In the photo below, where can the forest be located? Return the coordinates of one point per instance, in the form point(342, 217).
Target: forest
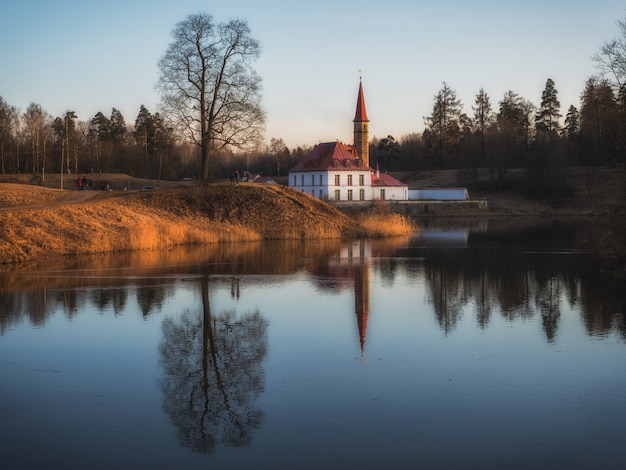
point(498, 135)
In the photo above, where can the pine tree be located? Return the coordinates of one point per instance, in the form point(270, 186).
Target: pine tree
point(483, 117)
point(572, 123)
point(443, 124)
point(547, 118)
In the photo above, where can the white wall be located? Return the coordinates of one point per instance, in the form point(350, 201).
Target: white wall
point(443, 194)
point(309, 182)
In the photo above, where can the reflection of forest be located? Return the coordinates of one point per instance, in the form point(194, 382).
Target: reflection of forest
point(517, 269)
point(533, 271)
point(212, 366)
point(488, 269)
point(38, 290)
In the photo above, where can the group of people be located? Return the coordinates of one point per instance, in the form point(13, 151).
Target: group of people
point(234, 178)
point(83, 183)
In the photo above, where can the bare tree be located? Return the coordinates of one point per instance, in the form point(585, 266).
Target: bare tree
point(35, 120)
point(208, 86)
point(611, 59)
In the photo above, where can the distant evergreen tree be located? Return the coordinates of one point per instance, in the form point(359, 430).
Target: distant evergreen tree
point(483, 119)
point(145, 135)
point(442, 126)
point(572, 123)
point(547, 119)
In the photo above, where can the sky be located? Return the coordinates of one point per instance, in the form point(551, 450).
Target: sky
point(92, 56)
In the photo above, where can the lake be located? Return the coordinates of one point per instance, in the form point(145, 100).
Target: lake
point(470, 344)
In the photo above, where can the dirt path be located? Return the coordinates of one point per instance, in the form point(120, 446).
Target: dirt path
point(66, 197)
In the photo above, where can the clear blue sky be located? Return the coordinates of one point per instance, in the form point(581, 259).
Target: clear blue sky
point(90, 56)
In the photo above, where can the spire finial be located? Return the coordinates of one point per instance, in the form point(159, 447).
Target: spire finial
point(360, 74)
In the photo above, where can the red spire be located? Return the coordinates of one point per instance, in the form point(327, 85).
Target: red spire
point(361, 113)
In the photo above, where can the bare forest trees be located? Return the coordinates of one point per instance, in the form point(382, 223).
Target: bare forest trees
point(209, 88)
point(611, 58)
point(35, 142)
point(8, 126)
point(35, 125)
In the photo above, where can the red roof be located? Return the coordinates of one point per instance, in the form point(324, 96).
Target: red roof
point(331, 156)
point(361, 113)
point(385, 179)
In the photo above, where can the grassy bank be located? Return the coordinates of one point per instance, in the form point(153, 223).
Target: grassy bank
point(36, 221)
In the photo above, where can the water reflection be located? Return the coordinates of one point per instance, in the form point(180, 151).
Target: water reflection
point(516, 269)
point(212, 366)
point(105, 280)
point(258, 346)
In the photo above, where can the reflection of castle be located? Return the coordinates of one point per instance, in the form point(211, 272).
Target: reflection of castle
point(349, 268)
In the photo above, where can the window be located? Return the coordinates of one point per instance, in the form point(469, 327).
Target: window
point(382, 194)
point(295, 180)
point(349, 180)
point(320, 180)
point(313, 192)
point(337, 193)
point(336, 180)
point(361, 180)
point(361, 194)
point(349, 195)
point(321, 194)
point(312, 180)
point(302, 180)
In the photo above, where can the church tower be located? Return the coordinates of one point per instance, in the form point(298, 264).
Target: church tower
point(361, 131)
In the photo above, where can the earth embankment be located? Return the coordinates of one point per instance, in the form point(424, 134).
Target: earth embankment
point(41, 221)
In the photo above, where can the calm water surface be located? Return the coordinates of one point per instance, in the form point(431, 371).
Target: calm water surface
point(468, 345)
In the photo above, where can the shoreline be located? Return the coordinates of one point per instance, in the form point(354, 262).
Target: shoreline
point(75, 223)
point(39, 220)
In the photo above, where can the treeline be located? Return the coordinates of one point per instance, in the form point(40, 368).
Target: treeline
point(34, 142)
point(515, 134)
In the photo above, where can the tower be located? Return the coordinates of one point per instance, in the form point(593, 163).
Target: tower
point(361, 131)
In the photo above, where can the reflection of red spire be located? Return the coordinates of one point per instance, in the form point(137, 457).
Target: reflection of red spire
point(362, 302)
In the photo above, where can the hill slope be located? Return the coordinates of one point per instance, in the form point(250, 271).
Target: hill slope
point(74, 222)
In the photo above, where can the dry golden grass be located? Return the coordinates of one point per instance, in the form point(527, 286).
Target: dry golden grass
point(83, 222)
point(386, 225)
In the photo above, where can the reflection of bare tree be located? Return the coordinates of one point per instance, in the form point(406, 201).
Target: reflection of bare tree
point(448, 297)
point(212, 375)
point(116, 297)
point(548, 301)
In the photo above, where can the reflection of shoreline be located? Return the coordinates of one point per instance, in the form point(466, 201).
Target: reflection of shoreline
point(38, 289)
point(495, 273)
point(442, 238)
point(514, 283)
point(280, 257)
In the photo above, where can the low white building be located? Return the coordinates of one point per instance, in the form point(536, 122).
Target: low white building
point(439, 194)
